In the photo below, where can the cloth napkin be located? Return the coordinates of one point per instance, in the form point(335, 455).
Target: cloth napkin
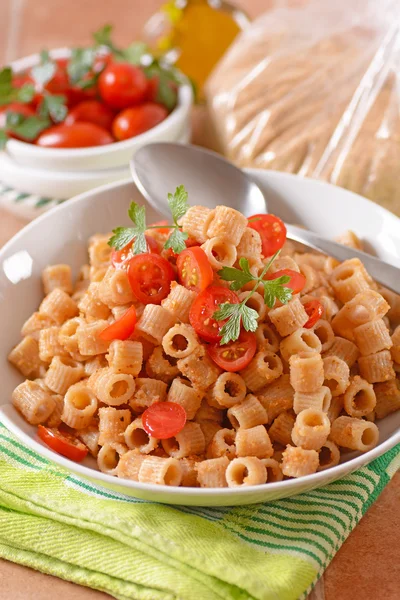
point(55, 522)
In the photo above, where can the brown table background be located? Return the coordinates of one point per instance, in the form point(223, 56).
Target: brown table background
point(367, 567)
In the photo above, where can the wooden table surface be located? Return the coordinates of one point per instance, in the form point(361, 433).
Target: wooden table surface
point(367, 567)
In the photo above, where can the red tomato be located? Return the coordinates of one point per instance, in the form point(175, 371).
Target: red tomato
point(162, 227)
point(272, 231)
point(138, 119)
point(63, 443)
point(19, 80)
point(120, 258)
point(122, 85)
point(203, 308)
point(172, 256)
point(15, 107)
point(164, 420)
point(152, 89)
point(297, 280)
point(314, 309)
point(91, 111)
point(122, 328)
point(150, 277)
point(234, 356)
point(78, 135)
point(194, 270)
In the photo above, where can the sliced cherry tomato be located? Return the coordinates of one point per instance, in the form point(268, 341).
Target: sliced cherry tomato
point(272, 231)
point(78, 135)
point(122, 328)
point(15, 107)
point(203, 308)
point(63, 443)
point(194, 270)
point(164, 420)
point(297, 280)
point(314, 309)
point(172, 256)
point(150, 277)
point(91, 111)
point(234, 356)
point(122, 85)
point(120, 258)
point(138, 119)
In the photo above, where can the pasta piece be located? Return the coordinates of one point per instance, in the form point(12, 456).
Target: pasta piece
point(109, 456)
point(281, 429)
point(80, 405)
point(343, 349)
point(267, 338)
point(364, 307)
point(209, 429)
point(114, 288)
point(57, 276)
point(49, 345)
point(256, 302)
point(227, 224)
point(220, 253)
point(196, 222)
point(36, 322)
point(311, 429)
point(316, 261)
point(163, 471)
point(248, 413)
point(335, 408)
point(160, 366)
point(89, 342)
point(355, 434)
point(182, 392)
point(190, 440)
point(180, 341)
point(189, 473)
point(395, 350)
point(313, 278)
point(329, 456)
point(178, 302)
point(349, 279)
point(249, 245)
point(90, 437)
point(253, 442)
point(350, 239)
point(306, 372)
point(97, 274)
point(33, 402)
point(67, 334)
point(393, 300)
point(372, 337)
point(129, 465)
point(91, 306)
point(25, 356)
point(154, 323)
point(289, 317)
point(100, 252)
point(273, 468)
point(62, 373)
point(148, 391)
point(320, 400)
point(387, 398)
point(277, 397)
point(302, 340)
point(125, 356)
point(136, 438)
point(112, 425)
point(54, 419)
point(336, 375)
point(211, 472)
point(263, 369)
point(59, 306)
point(283, 262)
point(377, 367)
point(245, 471)
point(208, 413)
point(324, 332)
point(112, 388)
point(94, 364)
point(228, 390)
point(298, 462)
point(359, 399)
point(199, 368)
point(222, 444)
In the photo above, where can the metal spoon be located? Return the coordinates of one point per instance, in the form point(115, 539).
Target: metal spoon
point(210, 180)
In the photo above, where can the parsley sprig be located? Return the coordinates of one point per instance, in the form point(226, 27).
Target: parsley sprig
point(238, 314)
point(178, 204)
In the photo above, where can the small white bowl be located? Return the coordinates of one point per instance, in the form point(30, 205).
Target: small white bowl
point(61, 236)
point(98, 157)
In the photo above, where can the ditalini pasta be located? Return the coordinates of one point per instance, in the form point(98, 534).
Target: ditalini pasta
point(197, 366)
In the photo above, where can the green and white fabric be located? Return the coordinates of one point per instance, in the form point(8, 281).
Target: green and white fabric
point(53, 521)
point(29, 205)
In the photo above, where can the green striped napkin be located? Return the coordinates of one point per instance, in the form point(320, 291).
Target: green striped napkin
point(53, 521)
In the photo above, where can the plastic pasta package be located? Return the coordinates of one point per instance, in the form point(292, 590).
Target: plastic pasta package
point(313, 88)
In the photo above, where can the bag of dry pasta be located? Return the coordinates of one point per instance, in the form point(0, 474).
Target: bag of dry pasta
point(313, 87)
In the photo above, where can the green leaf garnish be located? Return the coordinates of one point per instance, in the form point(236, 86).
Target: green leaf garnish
point(8, 93)
point(27, 128)
point(45, 70)
point(176, 241)
point(54, 107)
point(178, 203)
point(236, 314)
point(80, 64)
point(124, 235)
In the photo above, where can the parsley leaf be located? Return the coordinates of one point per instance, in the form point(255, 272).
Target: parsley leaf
point(8, 93)
point(6, 76)
point(43, 72)
point(25, 93)
point(80, 64)
point(178, 203)
point(235, 313)
point(249, 318)
point(135, 52)
point(238, 277)
point(124, 235)
point(54, 107)
point(273, 288)
point(27, 128)
point(176, 241)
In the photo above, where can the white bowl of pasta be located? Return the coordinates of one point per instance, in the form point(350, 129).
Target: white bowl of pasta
point(231, 450)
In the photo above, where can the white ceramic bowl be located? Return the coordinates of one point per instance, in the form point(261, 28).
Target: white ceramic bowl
point(100, 157)
point(324, 208)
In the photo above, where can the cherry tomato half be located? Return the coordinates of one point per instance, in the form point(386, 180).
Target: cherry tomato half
point(172, 256)
point(272, 232)
point(91, 111)
point(194, 270)
point(122, 85)
point(150, 277)
point(234, 356)
point(120, 258)
point(63, 443)
point(297, 280)
point(164, 420)
point(138, 119)
point(15, 107)
point(203, 308)
point(314, 309)
point(122, 328)
point(78, 135)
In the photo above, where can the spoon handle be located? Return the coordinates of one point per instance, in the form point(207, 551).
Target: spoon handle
point(383, 272)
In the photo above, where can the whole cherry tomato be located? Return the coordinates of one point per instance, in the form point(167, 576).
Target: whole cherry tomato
point(272, 232)
point(78, 135)
point(234, 356)
point(194, 270)
point(150, 277)
point(138, 119)
point(203, 308)
point(91, 111)
point(122, 85)
point(15, 107)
